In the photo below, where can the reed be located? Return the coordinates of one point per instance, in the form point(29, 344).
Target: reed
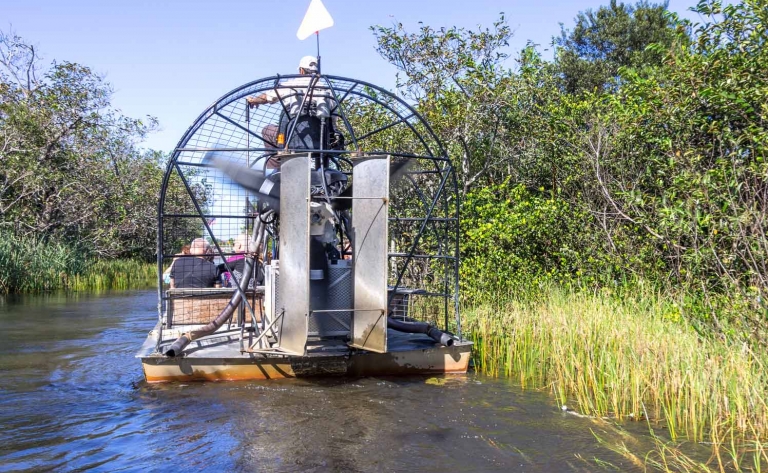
point(29, 265)
point(629, 358)
point(114, 274)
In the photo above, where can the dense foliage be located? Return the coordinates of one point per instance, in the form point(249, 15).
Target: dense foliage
point(72, 180)
point(616, 35)
point(637, 153)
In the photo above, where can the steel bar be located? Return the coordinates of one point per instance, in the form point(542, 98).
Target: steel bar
point(349, 91)
point(171, 215)
point(266, 330)
point(343, 114)
point(385, 127)
point(421, 219)
point(279, 99)
point(307, 150)
point(343, 310)
point(419, 234)
point(248, 131)
point(420, 256)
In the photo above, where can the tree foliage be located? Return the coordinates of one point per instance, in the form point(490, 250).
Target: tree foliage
point(648, 162)
point(616, 35)
point(70, 168)
point(682, 153)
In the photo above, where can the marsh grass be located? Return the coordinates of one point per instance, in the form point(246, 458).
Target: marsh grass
point(114, 274)
point(631, 358)
point(29, 265)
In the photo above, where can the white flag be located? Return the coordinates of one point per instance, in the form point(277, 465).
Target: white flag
point(316, 19)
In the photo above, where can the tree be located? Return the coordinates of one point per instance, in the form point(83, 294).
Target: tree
point(483, 112)
point(589, 56)
point(679, 154)
point(70, 169)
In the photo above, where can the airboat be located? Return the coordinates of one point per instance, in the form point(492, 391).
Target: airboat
point(349, 204)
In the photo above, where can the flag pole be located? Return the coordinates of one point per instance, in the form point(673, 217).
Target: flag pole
point(317, 34)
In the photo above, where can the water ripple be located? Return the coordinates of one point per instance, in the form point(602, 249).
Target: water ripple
point(73, 399)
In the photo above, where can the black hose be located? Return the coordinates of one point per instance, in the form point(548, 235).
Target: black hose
point(421, 327)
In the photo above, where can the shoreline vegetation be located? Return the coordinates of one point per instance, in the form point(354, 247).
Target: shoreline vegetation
point(32, 266)
point(629, 357)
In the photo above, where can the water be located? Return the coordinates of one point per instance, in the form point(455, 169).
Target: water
point(72, 397)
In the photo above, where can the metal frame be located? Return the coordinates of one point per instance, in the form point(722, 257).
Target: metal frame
point(365, 113)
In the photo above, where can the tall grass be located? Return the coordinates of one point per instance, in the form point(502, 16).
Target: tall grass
point(629, 359)
point(102, 275)
point(29, 265)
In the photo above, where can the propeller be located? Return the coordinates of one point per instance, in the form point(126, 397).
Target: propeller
point(396, 172)
point(267, 187)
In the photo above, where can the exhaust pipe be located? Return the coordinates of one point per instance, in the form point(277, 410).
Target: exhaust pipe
point(178, 346)
point(421, 327)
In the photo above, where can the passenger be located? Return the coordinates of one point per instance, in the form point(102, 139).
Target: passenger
point(167, 272)
point(243, 245)
point(195, 272)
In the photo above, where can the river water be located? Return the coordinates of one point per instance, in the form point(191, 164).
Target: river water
point(72, 397)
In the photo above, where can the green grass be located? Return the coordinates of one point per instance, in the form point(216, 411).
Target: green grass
point(632, 358)
point(115, 274)
point(29, 265)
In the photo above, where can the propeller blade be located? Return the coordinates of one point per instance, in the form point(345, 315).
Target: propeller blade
point(249, 179)
point(267, 191)
point(396, 172)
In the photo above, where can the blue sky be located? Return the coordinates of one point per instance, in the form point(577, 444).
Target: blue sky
point(171, 59)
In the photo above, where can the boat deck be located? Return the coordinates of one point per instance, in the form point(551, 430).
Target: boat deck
point(219, 357)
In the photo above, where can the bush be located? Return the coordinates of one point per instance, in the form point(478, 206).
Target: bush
point(514, 239)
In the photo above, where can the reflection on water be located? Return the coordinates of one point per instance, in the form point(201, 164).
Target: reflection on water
point(73, 397)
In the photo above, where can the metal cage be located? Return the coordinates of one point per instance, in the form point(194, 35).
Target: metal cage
point(198, 200)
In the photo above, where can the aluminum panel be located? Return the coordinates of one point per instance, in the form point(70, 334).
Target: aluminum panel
point(293, 289)
point(369, 225)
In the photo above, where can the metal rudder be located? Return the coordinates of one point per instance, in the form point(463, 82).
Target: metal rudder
point(294, 253)
point(370, 212)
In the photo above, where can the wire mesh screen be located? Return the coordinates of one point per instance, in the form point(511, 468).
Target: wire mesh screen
point(201, 203)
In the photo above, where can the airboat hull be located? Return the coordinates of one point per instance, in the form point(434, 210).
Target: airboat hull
point(221, 360)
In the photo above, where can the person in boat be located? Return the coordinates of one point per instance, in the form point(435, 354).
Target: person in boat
point(167, 273)
point(242, 246)
point(289, 90)
point(195, 272)
point(291, 93)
